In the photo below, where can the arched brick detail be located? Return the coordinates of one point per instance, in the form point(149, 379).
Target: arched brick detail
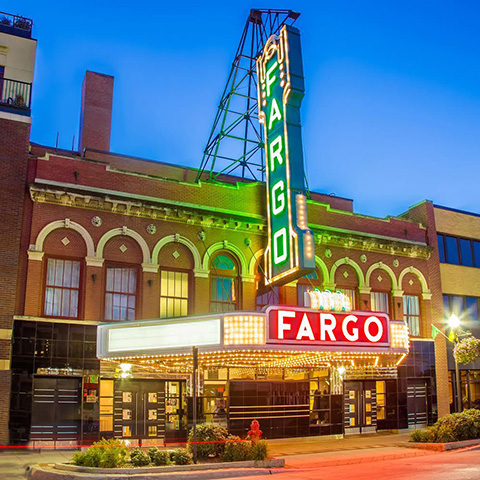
point(178, 239)
point(386, 269)
point(353, 264)
point(67, 224)
point(124, 231)
point(65, 242)
point(123, 249)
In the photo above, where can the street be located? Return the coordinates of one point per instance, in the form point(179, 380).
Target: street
point(455, 465)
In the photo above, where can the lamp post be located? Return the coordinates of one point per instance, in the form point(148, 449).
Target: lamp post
point(454, 324)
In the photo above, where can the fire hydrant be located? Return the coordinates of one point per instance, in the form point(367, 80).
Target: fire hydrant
point(255, 433)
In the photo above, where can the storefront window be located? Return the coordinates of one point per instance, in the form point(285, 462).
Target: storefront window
point(379, 302)
point(411, 314)
point(224, 284)
point(173, 294)
point(106, 405)
point(62, 288)
point(121, 292)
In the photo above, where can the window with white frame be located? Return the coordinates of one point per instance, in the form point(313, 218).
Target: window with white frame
point(379, 302)
point(120, 293)
point(62, 288)
point(411, 314)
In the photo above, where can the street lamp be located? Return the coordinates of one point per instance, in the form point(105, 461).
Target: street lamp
point(454, 324)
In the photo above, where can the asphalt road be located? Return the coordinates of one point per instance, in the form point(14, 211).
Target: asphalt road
point(456, 465)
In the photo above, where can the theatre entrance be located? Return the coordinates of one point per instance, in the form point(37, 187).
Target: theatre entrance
point(360, 406)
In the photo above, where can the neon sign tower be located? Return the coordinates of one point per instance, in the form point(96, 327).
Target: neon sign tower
point(290, 251)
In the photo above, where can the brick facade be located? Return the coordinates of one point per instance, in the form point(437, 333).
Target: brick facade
point(14, 142)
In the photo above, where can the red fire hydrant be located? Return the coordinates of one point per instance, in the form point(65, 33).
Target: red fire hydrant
point(255, 433)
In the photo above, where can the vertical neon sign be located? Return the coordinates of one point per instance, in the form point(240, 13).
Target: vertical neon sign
point(290, 252)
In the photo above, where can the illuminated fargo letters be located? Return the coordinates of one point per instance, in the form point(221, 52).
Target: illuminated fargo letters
point(290, 251)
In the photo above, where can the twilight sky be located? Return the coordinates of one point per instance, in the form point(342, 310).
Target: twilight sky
point(392, 109)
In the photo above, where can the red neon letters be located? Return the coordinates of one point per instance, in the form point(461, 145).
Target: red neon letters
point(307, 327)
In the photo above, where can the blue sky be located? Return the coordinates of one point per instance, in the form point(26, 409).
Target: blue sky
point(392, 109)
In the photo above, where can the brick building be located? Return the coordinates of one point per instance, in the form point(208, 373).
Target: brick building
point(95, 236)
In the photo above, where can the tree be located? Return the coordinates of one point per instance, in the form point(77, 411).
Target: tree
point(467, 350)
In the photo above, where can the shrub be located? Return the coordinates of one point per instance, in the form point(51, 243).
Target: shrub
point(151, 453)
point(139, 458)
point(258, 450)
point(208, 432)
point(181, 456)
point(421, 436)
point(104, 454)
point(161, 458)
point(236, 450)
point(451, 428)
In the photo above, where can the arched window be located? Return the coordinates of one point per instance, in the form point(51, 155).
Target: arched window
point(308, 282)
point(224, 284)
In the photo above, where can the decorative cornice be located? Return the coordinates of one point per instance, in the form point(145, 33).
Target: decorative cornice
point(200, 273)
point(94, 261)
point(397, 293)
point(364, 290)
point(427, 296)
point(150, 267)
point(144, 209)
point(34, 255)
point(248, 278)
point(372, 243)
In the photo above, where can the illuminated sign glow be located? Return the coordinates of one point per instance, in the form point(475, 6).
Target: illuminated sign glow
point(290, 251)
point(307, 327)
point(327, 300)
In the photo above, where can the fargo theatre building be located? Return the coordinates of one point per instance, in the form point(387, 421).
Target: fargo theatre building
point(308, 317)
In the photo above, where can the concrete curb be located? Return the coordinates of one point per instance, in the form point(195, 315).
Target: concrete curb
point(443, 447)
point(207, 471)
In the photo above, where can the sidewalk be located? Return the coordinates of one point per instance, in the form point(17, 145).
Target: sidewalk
point(299, 446)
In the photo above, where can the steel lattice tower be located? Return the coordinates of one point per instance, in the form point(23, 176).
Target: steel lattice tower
point(235, 145)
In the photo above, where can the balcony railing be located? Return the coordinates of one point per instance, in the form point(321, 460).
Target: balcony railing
point(15, 95)
point(15, 25)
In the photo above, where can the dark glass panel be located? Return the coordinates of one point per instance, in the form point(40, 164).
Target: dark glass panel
point(452, 250)
point(476, 253)
point(76, 333)
point(466, 252)
point(441, 248)
point(472, 310)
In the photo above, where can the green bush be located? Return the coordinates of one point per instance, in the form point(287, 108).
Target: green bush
point(139, 458)
point(181, 456)
point(103, 454)
point(161, 458)
point(421, 436)
point(208, 432)
point(451, 428)
point(236, 449)
point(258, 450)
point(151, 453)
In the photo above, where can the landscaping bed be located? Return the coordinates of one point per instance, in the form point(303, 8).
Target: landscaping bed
point(214, 448)
point(457, 430)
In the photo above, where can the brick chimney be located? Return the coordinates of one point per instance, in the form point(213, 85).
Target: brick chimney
point(96, 111)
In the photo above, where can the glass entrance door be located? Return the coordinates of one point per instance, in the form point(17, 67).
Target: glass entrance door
point(141, 409)
point(360, 406)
